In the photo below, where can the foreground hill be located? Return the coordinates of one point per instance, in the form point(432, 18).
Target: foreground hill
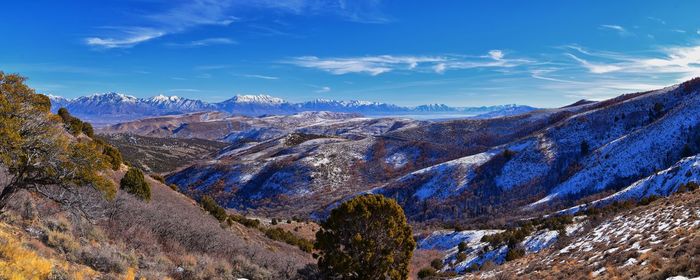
point(169, 236)
point(655, 241)
point(72, 210)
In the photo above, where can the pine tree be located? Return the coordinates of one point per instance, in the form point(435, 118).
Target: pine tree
point(36, 153)
point(365, 238)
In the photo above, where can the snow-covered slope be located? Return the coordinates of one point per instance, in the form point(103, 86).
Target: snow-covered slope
point(577, 151)
point(662, 183)
point(655, 241)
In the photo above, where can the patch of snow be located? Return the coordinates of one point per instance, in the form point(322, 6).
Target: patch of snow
point(539, 240)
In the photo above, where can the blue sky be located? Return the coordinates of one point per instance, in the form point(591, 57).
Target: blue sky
point(461, 53)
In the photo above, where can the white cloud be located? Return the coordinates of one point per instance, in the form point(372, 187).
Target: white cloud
point(440, 68)
point(261, 77)
point(211, 67)
point(375, 65)
point(178, 19)
point(205, 42)
point(186, 15)
point(595, 68)
point(323, 90)
point(617, 28)
point(496, 54)
point(361, 11)
point(131, 36)
point(657, 20)
point(684, 62)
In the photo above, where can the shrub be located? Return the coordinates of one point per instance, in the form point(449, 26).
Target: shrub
point(426, 272)
point(158, 177)
point(437, 264)
point(213, 208)
point(557, 222)
point(688, 187)
point(509, 237)
point(103, 259)
point(461, 256)
point(687, 151)
point(647, 200)
point(113, 155)
point(584, 148)
point(289, 238)
point(251, 223)
point(508, 154)
point(173, 187)
point(134, 183)
point(88, 130)
point(462, 246)
point(514, 254)
point(74, 125)
point(61, 241)
point(367, 237)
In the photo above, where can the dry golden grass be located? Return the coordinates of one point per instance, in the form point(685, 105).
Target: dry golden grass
point(17, 262)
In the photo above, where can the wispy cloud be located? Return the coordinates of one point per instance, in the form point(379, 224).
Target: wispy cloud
point(375, 65)
point(617, 28)
point(130, 36)
point(187, 15)
point(361, 11)
point(175, 20)
point(211, 67)
point(595, 68)
point(661, 21)
point(684, 62)
point(323, 90)
point(260, 77)
point(204, 43)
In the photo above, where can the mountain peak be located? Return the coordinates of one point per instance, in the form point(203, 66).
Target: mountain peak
point(259, 99)
point(164, 98)
point(110, 97)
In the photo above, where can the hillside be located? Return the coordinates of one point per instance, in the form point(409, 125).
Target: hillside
point(162, 155)
point(72, 210)
point(170, 236)
point(654, 241)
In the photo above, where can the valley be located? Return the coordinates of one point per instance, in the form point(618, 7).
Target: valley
point(485, 175)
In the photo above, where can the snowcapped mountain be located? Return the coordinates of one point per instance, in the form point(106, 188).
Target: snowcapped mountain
point(115, 107)
point(257, 99)
point(178, 104)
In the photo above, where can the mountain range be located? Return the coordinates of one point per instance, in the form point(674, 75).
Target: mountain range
point(108, 108)
point(495, 197)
